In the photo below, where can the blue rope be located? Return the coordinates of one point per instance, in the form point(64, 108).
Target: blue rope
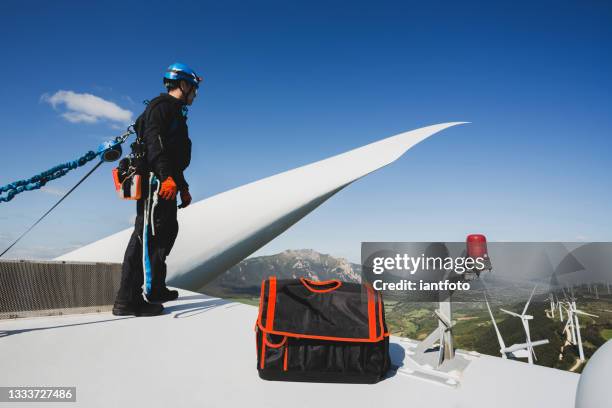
point(39, 180)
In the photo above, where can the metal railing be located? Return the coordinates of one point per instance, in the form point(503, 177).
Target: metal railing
point(45, 288)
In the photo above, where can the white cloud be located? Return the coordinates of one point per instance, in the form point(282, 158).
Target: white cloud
point(76, 117)
point(87, 108)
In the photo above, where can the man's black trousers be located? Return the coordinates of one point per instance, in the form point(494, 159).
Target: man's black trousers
point(164, 224)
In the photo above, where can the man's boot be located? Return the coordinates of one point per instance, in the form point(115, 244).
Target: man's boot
point(162, 295)
point(137, 308)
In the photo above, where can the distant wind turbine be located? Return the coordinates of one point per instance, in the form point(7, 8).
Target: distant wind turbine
point(519, 350)
point(525, 320)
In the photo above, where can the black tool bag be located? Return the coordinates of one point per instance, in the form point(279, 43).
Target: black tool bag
point(329, 331)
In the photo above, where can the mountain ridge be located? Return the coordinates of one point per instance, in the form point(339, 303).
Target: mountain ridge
point(246, 277)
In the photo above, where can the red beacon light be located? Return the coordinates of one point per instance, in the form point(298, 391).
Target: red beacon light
point(476, 247)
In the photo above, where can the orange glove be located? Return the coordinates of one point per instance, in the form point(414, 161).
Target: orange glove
point(185, 198)
point(168, 189)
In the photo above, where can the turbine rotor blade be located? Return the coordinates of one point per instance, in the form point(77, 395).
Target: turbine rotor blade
point(539, 342)
point(500, 340)
point(529, 300)
point(443, 319)
point(511, 313)
point(524, 346)
point(580, 312)
point(265, 209)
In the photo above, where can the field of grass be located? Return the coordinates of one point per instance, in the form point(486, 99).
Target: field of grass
point(606, 334)
point(473, 329)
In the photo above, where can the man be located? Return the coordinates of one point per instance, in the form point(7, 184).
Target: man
point(163, 130)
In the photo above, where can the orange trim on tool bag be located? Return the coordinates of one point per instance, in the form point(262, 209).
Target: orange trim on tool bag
point(270, 317)
point(312, 336)
point(371, 312)
point(307, 282)
point(271, 303)
point(261, 302)
point(285, 358)
point(380, 314)
point(262, 360)
point(269, 343)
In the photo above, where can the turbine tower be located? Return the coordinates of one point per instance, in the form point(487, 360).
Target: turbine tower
point(569, 324)
point(574, 325)
point(552, 305)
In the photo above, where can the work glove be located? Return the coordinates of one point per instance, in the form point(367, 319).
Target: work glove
point(168, 189)
point(185, 198)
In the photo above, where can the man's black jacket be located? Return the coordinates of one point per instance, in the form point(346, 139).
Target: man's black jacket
point(168, 147)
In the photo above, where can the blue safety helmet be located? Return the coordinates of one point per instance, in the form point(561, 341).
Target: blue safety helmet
point(178, 72)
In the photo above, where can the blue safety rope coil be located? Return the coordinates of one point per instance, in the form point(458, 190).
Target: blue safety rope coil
point(108, 151)
point(39, 180)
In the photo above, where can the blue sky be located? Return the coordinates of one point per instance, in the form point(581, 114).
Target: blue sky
point(289, 83)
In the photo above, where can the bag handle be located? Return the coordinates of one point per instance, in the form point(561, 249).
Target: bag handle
point(321, 286)
point(274, 345)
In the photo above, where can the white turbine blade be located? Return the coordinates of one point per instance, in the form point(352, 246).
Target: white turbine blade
point(524, 346)
point(500, 340)
point(535, 344)
point(515, 347)
point(566, 325)
point(443, 319)
point(510, 313)
point(526, 327)
point(220, 231)
point(584, 313)
point(529, 300)
point(522, 353)
point(539, 342)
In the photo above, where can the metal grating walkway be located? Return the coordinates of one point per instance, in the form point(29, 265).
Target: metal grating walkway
point(45, 288)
